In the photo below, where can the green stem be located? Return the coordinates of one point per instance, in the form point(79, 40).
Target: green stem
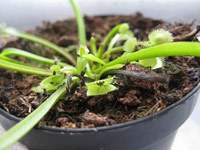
point(110, 35)
point(23, 127)
point(93, 46)
point(100, 51)
point(30, 56)
point(163, 50)
point(70, 48)
point(144, 43)
point(38, 40)
point(121, 48)
point(114, 51)
point(80, 23)
point(117, 50)
point(24, 69)
point(12, 60)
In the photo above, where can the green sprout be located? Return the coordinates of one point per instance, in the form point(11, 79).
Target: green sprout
point(119, 47)
point(80, 23)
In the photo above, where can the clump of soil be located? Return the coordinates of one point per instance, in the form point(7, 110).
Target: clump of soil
point(135, 98)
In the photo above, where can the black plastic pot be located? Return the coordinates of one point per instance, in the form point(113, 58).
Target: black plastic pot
point(155, 132)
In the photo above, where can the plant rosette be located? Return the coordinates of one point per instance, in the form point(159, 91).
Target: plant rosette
point(121, 69)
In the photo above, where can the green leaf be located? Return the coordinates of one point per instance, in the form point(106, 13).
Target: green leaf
point(154, 63)
point(125, 36)
point(113, 41)
point(162, 50)
point(83, 50)
point(23, 127)
point(50, 84)
point(11, 65)
point(55, 68)
point(93, 58)
point(110, 36)
point(69, 70)
point(28, 55)
point(93, 46)
point(124, 28)
point(12, 60)
point(89, 72)
point(159, 62)
point(149, 62)
point(80, 23)
point(114, 67)
point(100, 87)
point(81, 64)
point(130, 44)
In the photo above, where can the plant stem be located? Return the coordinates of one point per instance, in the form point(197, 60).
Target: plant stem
point(70, 48)
point(93, 58)
point(12, 60)
point(163, 50)
point(38, 40)
point(93, 46)
point(24, 69)
point(23, 127)
point(80, 23)
point(144, 43)
point(100, 51)
point(30, 56)
point(115, 50)
point(121, 48)
point(109, 36)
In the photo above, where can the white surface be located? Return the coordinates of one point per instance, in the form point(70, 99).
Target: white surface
point(28, 13)
point(188, 137)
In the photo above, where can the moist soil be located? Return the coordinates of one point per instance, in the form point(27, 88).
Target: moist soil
point(135, 98)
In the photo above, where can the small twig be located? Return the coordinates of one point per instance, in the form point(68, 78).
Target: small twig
point(189, 35)
point(153, 109)
point(69, 80)
point(142, 76)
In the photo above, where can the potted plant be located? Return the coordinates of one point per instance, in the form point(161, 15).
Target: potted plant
point(103, 73)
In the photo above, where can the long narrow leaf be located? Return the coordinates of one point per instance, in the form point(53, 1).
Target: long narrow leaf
point(23, 127)
point(28, 55)
point(163, 50)
point(110, 35)
point(24, 69)
point(12, 60)
point(36, 39)
point(80, 23)
point(94, 58)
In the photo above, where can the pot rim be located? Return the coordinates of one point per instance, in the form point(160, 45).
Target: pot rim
point(107, 128)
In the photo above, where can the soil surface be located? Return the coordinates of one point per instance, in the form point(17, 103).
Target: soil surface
point(134, 99)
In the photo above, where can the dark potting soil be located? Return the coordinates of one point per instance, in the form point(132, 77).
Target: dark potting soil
point(135, 98)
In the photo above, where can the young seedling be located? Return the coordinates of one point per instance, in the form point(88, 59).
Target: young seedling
point(95, 66)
